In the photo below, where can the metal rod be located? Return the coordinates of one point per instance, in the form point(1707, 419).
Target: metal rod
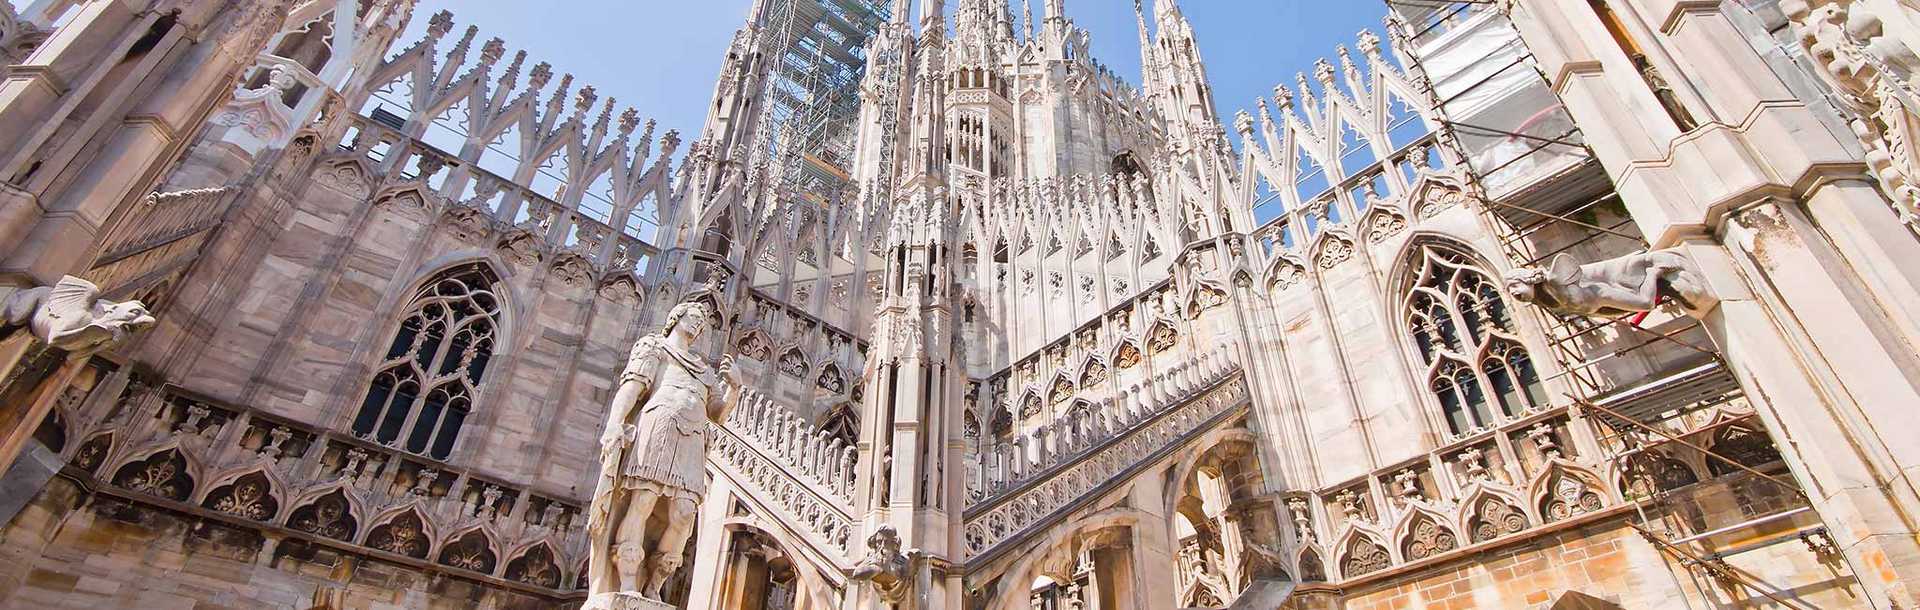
point(1711, 565)
point(1563, 219)
point(1796, 534)
point(1663, 433)
point(1748, 523)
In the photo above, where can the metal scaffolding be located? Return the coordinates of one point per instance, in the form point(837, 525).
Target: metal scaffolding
point(1538, 179)
point(811, 101)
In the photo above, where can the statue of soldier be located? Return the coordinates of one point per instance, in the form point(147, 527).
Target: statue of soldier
point(652, 455)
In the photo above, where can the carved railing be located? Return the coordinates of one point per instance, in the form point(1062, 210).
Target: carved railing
point(801, 449)
point(1203, 400)
point(792, 467)
point(1007, 466)
point(161, 234)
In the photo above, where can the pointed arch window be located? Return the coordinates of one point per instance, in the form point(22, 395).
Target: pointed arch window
point(433, 369)
point(1461, 327)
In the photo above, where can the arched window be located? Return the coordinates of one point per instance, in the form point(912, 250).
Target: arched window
point(1461, 328)
point(432, 371)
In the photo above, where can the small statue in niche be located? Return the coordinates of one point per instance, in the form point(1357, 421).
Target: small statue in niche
point(652, 456)
point(1619, 286)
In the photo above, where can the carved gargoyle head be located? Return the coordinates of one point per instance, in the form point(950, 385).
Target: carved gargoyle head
point(1543, 286)
point(72, 317)
point(1524, 283)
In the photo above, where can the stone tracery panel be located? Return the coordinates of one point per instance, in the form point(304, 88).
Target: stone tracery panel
point(162, 474)
point(248, 497)
point(329, 515)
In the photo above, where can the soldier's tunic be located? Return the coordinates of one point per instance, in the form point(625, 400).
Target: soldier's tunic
point(663, 446)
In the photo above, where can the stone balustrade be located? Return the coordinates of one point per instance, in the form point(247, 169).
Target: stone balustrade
point(791, 466)
point(800, 448)
point(1006, 465)
point(1051, 473)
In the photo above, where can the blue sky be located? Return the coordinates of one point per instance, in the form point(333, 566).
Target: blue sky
point(661, 56)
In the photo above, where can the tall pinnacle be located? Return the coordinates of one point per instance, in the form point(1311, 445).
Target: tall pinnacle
point(1026, 20)
point(1146, 48)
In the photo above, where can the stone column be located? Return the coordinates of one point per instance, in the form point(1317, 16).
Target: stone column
point(1816, 306)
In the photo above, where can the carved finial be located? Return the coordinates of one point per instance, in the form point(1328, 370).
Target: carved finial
point(423, 481)
point(1350, 505)
point(512, 75)
point(466, 42)
point(1243, 122)
point(559, 92)
point(1408, 482)
point(1284, 96)
point(491, 52)
point(1323, 71)
point(584, 100)
point(542, 72)
point(1474, 462)
point(439, 24)
point(628, 121)
point(1369, 44)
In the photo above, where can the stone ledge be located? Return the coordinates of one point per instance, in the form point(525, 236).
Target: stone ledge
point(624, 600)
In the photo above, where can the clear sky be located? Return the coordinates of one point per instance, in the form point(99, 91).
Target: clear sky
point(661, 56)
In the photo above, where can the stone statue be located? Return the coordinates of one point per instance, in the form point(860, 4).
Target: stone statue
point(1628, 284)
point(885, 567)
point(653, 456)
point(70, 315)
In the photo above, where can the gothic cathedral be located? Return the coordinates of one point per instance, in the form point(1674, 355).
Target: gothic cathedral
point(1535, 304)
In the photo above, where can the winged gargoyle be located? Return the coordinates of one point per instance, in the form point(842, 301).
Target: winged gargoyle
point(70, 315)
point(1619, 286)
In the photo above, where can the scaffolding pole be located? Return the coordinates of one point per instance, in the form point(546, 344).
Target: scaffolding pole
point(1518, 226)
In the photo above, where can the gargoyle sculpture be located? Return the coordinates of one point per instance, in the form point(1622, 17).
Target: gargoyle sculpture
point(885, 567)
point(1628, 284)
point(70, 315)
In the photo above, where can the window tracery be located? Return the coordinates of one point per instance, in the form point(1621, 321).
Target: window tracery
point(433, 369)
point(1466, 337)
